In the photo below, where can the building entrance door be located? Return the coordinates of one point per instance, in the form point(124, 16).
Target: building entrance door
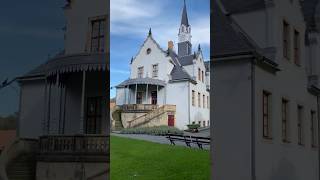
point(170, 120)
point(153, 97)
point(93, 115)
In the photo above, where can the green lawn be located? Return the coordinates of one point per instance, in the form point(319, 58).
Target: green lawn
point(142, 160)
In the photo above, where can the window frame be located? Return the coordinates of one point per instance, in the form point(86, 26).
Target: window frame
point(285, 120)
point(99, 36)
point(199, 100)
point(300, 126)
point(286, 39)
point(140, 73)
point(155, 71)
point(266, 115)
point(297, 47)
point(193, 98)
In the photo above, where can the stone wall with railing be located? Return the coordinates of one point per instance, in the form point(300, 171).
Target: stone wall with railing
point(74, 148)
point(156, 117)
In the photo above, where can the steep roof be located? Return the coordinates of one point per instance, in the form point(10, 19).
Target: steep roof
point(238, 6)
point(184, 17)
point(178, 72)
point(227, 39)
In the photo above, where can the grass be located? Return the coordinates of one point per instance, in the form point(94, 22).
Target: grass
point(142, 160)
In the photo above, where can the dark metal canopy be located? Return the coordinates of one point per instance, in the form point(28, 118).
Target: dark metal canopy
point(149, 81)
point(69, 64)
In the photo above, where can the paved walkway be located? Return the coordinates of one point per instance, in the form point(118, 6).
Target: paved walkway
point(156, 139)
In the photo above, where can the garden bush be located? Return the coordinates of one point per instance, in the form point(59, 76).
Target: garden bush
point(157, 130)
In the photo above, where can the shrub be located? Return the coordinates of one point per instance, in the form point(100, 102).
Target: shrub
point(157, 130)
point(193, 126)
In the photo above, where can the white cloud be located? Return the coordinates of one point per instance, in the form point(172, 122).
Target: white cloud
point(135, 17)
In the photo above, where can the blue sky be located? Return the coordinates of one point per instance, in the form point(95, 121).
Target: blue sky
point(130, 23)
point(30, 31)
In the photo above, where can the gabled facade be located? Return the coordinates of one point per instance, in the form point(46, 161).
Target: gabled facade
point(264, 90)
point(164, 77)
point(63, 101)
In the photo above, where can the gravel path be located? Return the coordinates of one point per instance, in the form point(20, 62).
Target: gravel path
point(156, 139)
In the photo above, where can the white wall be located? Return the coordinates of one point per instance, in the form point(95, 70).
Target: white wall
point(31, 101)
point(78, 25)
point(230, 119)
point(177, 94)
point(147, 60)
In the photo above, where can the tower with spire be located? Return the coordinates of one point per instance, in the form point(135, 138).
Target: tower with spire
point(184, 44)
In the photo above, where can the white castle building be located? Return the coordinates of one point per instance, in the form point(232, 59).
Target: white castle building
point(168, 77)
point(266, 89)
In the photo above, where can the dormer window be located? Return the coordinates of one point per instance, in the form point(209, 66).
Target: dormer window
point(98, 35)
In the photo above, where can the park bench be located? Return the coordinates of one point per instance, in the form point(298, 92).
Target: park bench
point(200, 141)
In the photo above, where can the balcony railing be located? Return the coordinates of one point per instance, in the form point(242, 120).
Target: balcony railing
point(54, 147)
point(149, 116)
point(139, 107)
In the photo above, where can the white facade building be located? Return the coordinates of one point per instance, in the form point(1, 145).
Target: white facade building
point(160, 77)
point(266, 95)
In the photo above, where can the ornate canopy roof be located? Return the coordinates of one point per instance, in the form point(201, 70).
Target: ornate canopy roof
point(150, 81)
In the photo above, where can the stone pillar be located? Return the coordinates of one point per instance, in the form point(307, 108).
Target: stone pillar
point(147, 93)
point(135, 97)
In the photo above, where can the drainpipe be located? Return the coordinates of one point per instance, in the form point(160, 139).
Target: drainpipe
point(253, 93)
point(318, 112)
point(189, 102)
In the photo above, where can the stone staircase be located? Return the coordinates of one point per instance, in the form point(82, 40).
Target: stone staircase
point(22, 168)
point(156, 117)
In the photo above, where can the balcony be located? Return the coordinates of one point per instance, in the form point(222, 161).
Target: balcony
point(84, 148)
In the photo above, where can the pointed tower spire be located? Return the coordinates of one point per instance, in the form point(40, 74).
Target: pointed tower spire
point(199, 48)
point(184, 18)
point(184, 45)
point(150, 33)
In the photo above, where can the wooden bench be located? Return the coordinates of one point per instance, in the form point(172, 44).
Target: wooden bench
point(200, 141)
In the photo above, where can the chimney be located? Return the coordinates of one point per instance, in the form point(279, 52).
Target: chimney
point(170, 45)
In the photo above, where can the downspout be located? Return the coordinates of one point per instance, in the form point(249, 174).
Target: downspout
point(253, 93)
point(318, 112)
point(189, 102)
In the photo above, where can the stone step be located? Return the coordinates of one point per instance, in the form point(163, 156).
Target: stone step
point(22, 168)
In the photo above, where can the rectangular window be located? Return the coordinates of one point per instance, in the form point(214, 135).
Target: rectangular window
point(266, 115)
point(297, 48)
point(204, 123)
point(155, 70)
point(140, 72)
point(203, 101)
point(284, 112)
point(98, 35)
point(300, 124)
point(199, 74)
point(208, 102)
point(199, 100)
point(193, 98)
point(202, 76)
point(313, 129)
point(286, 40)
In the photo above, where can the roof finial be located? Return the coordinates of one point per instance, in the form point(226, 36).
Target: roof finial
point(150, 33)
point(184, 18)
point(199, 48)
